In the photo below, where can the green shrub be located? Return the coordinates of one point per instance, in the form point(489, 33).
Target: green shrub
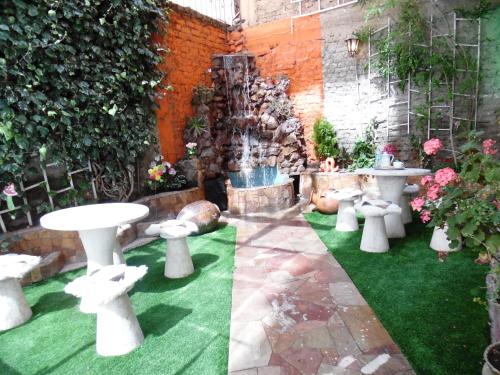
point(325, 139)
point(79, 82)
point(363, 152)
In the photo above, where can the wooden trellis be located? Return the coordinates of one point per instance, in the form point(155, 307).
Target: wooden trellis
point(51, 193)
point(411, 89)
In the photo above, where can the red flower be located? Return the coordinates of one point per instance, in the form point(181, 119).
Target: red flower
point(488, 147)
point(426, 180)
point(432, 146)
point(417, 204)
point(434, 192)
point(425, 216)
point(444, 176)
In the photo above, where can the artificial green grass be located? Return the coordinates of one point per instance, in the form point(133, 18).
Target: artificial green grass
point(185, 321)
point(425, 305)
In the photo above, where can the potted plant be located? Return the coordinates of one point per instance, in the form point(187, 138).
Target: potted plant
point(163, 177)
point(492, 359)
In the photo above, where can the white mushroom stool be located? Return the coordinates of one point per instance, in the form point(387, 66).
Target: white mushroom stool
point(178, 262)
point(14, 309)
point(118, 331)
point(404, 202)
point(440, 241)
point(374, 238)
point(346, 217)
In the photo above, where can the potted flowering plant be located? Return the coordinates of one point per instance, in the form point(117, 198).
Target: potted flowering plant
point(9, 192)
point(191, 150)
point(163, 177)
point(464, 204)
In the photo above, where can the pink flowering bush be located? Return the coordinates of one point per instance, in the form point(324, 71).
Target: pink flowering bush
point(162, 176)
point(432, 146)
point(390, 149)
point(467, 201)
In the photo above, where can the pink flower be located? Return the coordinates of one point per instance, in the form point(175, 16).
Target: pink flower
point(432, 146)
point(497, 204)
point(426, 180)
point(444, 176)
point(172, 172)
point(434, 192)
point(390, 149)
point(425, 216)
point(417, 204)
point(488, 147)
point(10, 190)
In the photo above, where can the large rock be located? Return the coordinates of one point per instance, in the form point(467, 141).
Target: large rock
point(203, 213)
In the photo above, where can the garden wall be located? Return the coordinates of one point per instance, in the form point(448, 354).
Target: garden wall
point(294, 50)
point(192, 39)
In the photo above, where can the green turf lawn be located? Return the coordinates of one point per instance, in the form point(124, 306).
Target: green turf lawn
point(185, 322)
point(426, 305)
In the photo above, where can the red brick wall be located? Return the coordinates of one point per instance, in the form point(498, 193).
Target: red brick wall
point(191, 39)
point(282, 47)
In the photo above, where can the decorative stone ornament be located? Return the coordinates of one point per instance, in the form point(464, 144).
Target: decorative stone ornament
point(404, 202)
point(14, 309)
point(203, 213)
point(440, 241)
point(346, 218)
point(374, 238)
point(105, 291)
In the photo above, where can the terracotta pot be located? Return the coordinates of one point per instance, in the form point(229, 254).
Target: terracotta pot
point(325, 204)
point(488, 368)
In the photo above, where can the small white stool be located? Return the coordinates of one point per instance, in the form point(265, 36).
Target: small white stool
point(374, 238)
point(14, 309)
point(118, 331)
point(440, 241)
point(346, 217)
point(404, 203)
point(178, 262)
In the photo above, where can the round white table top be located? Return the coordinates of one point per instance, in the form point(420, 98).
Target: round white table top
point(94, 216)
point(394, 172)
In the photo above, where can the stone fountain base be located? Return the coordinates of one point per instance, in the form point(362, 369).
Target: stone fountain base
point(262, 199)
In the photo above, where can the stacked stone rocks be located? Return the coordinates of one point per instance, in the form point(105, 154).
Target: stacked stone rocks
point(249, 113)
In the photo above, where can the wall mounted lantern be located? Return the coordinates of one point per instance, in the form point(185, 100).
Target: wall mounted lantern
point(352, 46)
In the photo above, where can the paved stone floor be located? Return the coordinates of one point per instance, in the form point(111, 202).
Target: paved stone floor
point(296, 312)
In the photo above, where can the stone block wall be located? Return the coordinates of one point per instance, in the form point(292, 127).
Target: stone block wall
point(191, 39)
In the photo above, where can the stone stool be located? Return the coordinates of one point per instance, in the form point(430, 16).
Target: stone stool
point(374, 238)
point(178, 262)
point(440, 241)
point(346, 217)
point(118, 331)
point(14, 309)
point(404, 203)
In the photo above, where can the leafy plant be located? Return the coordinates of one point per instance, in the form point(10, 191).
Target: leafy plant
point(162, 176)
point(197, 126)
point(363, 152)
point(325, 140)
point(79, 81)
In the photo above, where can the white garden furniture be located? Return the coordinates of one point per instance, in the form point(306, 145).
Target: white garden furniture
point(346, 217)
point(14, 309)
point(97, 226)
point(374, 238)
point(440, 241)
point(105, 292)
point(408, 192)
point(178, 262)
point(391, 183)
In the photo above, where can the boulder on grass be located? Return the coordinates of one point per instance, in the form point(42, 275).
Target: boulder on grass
point(204, 214)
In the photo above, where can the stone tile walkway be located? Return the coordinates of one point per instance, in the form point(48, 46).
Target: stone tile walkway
point(296, 312)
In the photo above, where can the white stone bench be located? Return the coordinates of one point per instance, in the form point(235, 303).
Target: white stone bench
point(408, 192)
point(178, 262)
point(374, 238)
point(346, 217)
point(105, 292)
point(14, 309)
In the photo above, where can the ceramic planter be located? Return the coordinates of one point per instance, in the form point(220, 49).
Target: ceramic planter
point(489, 368)
point(440, 241)
point(325, 204)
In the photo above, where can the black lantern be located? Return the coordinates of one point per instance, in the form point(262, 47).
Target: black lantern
point(352, 46)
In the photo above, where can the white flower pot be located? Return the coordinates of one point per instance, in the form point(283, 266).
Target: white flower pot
point(440, 241)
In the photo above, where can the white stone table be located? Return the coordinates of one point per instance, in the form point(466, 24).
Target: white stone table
point(391, 183)
point(97, 225)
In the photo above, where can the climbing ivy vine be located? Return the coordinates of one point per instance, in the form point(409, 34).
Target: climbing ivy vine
point(79, 82)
